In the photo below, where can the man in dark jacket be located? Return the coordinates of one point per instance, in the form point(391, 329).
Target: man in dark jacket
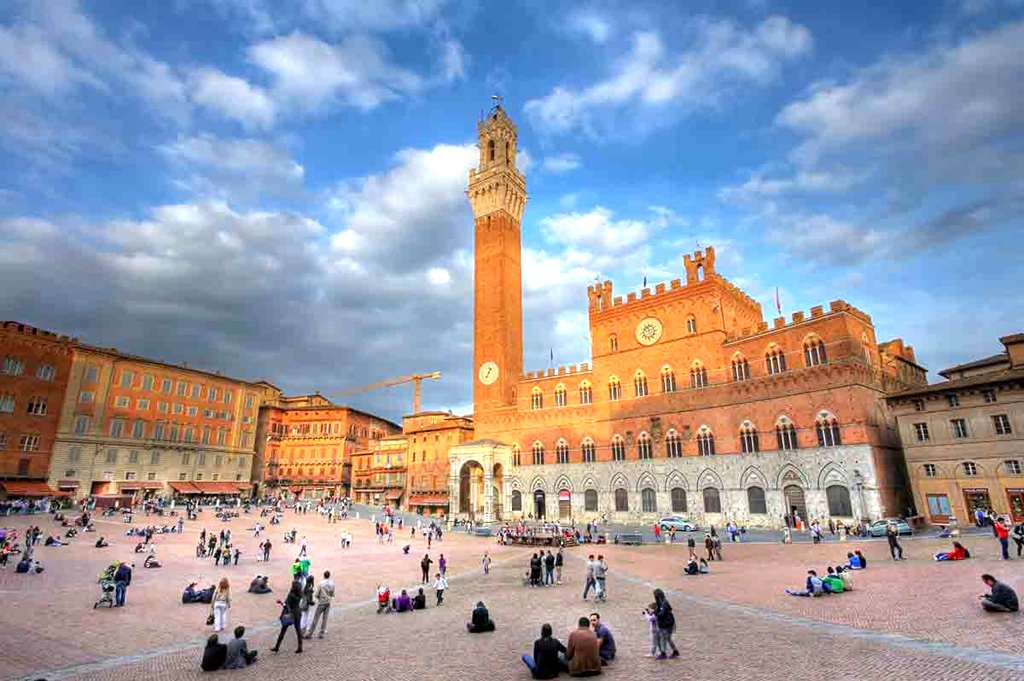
point(238, 654)
point(1001, 599)
point(549, 569)
point(481, 620)
point(548, 656)
point(425, 567)
point(122, 578)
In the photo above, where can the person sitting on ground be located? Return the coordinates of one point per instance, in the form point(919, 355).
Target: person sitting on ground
point(53, 541)
point(582, 652)
point(259, 585)
point(71, 533)
point(958, 553)
point(140, 547)
point(1001, 597)
point(832, 583)
point(151, 562)
point(844, 574)
point(102, 543)
point(548, 656)
point(863, 560)
point(814, 586)
point(383, 599)
point(691, 567)
point(703, 568)
point(403, 603)
point(606, 641)
point(214, 654)
point(238, 654)
point(481, 620)
point(854, 562)
point(419, 601)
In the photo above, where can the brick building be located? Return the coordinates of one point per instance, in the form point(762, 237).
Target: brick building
point(33, 378)
point(429, 436)
point(306, 442)
point(964, 437)
point(381, 475)
point(131, 425)
point(694, 403)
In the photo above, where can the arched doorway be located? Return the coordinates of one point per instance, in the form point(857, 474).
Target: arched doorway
point(795, 504)
point(471, 490)
point(539, 504)
point(564, 504)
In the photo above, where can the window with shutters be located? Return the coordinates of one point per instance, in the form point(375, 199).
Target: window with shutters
point(561, 396)
point(740, 369)
point(644, 447)
point(668, 380)
point(712, 500)
point(774, 360)
point(648, 500)
point(678, 500)
point(562, 452)
point(814, 352)
point(705, 442)
point(590, 500)
point(839, 505)
point(698, 376)
point(621, 500)
point(537, 399)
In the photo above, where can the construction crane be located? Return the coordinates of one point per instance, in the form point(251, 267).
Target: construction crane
point(415, 379)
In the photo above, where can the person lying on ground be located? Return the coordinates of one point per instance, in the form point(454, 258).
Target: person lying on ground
point(691, 567)
point(151, 562)
point(958, 553)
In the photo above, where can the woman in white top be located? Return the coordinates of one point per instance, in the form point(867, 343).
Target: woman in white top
point(221, 603)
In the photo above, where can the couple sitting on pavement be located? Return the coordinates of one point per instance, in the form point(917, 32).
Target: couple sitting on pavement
point(233, 655)
point(589, 649)
point(695, 568)
point(856, 561)
point(958, 553)
point(259, 585)
point(836, 581)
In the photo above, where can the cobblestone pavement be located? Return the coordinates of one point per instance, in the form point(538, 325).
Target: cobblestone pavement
point(915, 619)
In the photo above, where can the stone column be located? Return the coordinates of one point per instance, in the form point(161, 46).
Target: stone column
point(454, 505)
point(488, 497)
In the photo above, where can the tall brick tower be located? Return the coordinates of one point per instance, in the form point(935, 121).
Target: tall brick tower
point(497, 191)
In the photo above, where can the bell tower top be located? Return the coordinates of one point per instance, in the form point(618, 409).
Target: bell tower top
point(496, 183)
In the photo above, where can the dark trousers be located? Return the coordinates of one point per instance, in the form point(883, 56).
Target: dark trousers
point(895, 548)
point(586, 588)
point(1004, 543)
point(426, 575)
point(120, 592)
point(296, 618)
point(440, 596)
point(549, 576)
point(1020, 545)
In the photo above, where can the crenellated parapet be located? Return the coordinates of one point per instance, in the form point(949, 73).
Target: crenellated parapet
point(562, 370)
point(798, 318)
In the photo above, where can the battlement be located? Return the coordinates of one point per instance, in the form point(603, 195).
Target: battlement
point(25, 329)
point(779, 323)
point(562, 370)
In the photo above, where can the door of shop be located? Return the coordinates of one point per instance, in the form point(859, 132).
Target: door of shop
point(1016, 498)
point(564, 504)
point(795, 503)
point(976, 498)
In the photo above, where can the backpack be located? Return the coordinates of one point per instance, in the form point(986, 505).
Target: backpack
point(666, 620)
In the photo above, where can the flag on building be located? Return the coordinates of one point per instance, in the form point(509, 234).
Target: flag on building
point(778, 303)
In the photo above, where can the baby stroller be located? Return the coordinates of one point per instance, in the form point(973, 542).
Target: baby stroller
point(106, 582)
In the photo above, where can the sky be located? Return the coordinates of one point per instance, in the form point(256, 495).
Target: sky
point(276, 190)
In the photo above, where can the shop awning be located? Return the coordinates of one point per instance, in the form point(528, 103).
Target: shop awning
point(216, 487)
point(428, 500)
point(394, 494)
point(26, 489)
point(183, 487)
point(68, 483)
point(141, 485)
point(130, 486)
point(152, 485)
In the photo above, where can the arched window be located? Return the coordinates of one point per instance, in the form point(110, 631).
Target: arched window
point(828, 430)
point(648, 500)
point(756, 501)
point(590, 500)
point(678, 500)
point(562, 451)
point(517, 500)
point(516, 455)
point(589, 455)
point(639, 384)
point(740, 368)
point(561, 397)
point(643, 446)
point(749, 442)
point(537, 399)
point(698, 375)
point(705, 442)
point(618, 448)
point(839, 505)
point(586, 393)
point(691, 325)
point(970, 468)
point(785, 434)
point(774, 360)
point(538, 453)
point(613, 343)
point(814, 352)
point(712, 500)
point(674, 444)
point(621, 500)
point(614, 388)
point(490, 150)
point(668, 380)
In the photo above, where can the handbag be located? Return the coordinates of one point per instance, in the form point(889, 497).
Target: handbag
point(286, 617)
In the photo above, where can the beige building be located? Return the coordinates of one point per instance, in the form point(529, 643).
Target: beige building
point(963, 438)
point(130, 425)
point(430, 434)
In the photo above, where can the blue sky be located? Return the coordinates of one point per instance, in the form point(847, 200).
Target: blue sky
point(278, 193)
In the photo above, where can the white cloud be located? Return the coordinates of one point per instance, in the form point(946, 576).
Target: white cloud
point(233, 98)
point(439, 275)
point(27, 55)
point(310, 74)
point(453, 60)
point(378, 15)
point(562, 163)
point(568, 201)
point(591, 24)
point(651, 77)
point(804, 181)
point(524, 160)
point(597, 232)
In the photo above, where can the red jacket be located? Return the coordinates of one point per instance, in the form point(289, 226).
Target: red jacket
point(1002, 531)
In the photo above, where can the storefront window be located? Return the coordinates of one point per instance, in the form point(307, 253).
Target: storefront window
point(938, 505)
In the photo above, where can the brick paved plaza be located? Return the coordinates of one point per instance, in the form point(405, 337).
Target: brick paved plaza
point(915, 620)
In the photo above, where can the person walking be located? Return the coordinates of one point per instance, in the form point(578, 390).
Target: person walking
point(1002, 531)
point(892, 533)
point(220, 604)
point(302, 550)
point(590, 576)
point(559, 560)
point(486, 563)
point(122, 579)
point(709, 546)
point(442, 565)
point(1018, 537)
point(440, 584)
point(324, 596)
point(666, 623)
point(601, 577)
point(290, 615)
point(425, 567)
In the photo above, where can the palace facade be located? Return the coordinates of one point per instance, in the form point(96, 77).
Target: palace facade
point(694, 404)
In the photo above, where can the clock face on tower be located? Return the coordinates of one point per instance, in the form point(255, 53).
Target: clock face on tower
point(488, 373)
point(648, 331)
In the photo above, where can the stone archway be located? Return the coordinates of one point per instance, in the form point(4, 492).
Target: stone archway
point(539, 504)
point(498, 491)
point(472, 493)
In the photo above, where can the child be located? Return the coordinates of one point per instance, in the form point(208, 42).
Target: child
point(383, 599)
point(652, 619)
point(440, 584)
point(487, 564)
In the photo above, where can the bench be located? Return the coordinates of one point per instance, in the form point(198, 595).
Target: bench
point(633, 538)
